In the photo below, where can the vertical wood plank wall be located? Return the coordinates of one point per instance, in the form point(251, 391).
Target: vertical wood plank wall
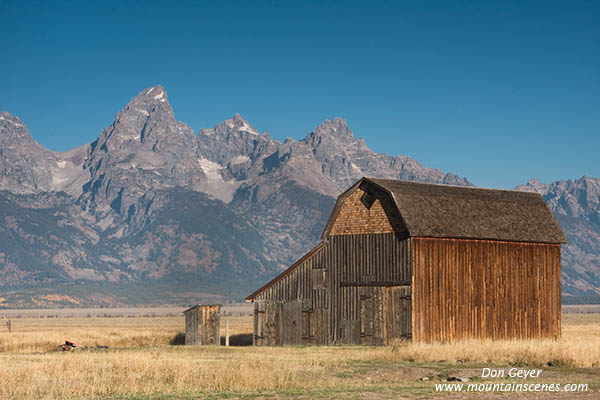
point(191, 327)
point(328, 286)
point(357, 261)
point(485, 289)
point(295, 309)
point(209, 324)
point(385, 315)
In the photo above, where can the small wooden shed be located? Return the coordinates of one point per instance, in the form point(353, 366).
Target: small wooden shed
point(203, 324)
point(405, 260)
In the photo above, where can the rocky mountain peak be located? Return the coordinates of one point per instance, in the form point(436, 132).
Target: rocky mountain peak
point(574, 198)
point(145, 148)
point(590, 183)
point(12, 130)
point(25, 165)
point(155, 94)
point(233, 125)
point(152, 100)
point(234, 141)
point(336, 128)
point(147, 119)
point(148, 104)
point(533, 185)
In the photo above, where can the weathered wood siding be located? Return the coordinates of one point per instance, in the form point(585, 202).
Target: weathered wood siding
point(384, 314)
point(209, 325)
point(398, 323)
point(354, 217)
point(306, 282)
point(290, 323)
point(202, 325)
point(359, 265)
point(295, 309)
point(191, 327)
point(485, 289)
point(327, 300)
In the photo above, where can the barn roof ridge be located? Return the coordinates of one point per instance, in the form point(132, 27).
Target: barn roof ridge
point(446, 185)
point(451, 211)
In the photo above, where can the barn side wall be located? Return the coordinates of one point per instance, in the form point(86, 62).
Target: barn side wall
point(485, 289)
point(295, 309)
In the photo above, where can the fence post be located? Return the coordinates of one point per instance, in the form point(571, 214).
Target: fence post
point(227, 332)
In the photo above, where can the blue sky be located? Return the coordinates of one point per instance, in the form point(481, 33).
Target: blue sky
point(499, 92)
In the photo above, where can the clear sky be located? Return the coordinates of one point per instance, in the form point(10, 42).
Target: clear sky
point(499, 92)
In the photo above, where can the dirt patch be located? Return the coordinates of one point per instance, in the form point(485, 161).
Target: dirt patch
point(398, 375)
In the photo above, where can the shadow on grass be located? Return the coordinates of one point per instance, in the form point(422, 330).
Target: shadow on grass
point(178, 340)
point(242, 339)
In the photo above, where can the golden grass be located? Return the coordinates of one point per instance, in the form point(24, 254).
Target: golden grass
point(578, 347)
point(141, 363)
point(175, 370)
point(43, 334)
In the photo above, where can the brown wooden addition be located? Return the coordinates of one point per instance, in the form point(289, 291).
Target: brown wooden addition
point(403, 260)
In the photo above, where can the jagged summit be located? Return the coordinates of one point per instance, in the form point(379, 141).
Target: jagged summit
point(149, 101)
point(532, 185)
point(6, 116)
point(25, 165)
point(337, 128)
point(144, 149)
point(237, 123)
point(336, 125)
point(147, 119)
point(155, 94)
point(12, 128)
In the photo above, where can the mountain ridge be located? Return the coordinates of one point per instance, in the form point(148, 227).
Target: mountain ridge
point(139, 206)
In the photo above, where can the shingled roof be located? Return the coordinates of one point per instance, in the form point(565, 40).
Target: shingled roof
point(445, 211)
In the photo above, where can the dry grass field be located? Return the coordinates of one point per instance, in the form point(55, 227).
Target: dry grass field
point(141, 363)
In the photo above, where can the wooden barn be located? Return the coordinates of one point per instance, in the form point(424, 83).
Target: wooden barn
point(405, 260)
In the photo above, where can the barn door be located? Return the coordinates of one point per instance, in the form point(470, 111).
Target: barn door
point(292, 317)
point(268, 323)
point(371, 315)
point(398, 302)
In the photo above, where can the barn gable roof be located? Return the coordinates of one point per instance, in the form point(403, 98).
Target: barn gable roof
point(445, 211)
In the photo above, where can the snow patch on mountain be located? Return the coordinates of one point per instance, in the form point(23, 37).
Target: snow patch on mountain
point(211, 169)
point(239, 160)
point(160, 96)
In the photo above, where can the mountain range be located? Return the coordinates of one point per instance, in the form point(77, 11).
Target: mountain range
point(153, 213)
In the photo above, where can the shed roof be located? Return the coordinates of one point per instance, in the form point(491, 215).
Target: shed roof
point(446, 211)
point(201, 305)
